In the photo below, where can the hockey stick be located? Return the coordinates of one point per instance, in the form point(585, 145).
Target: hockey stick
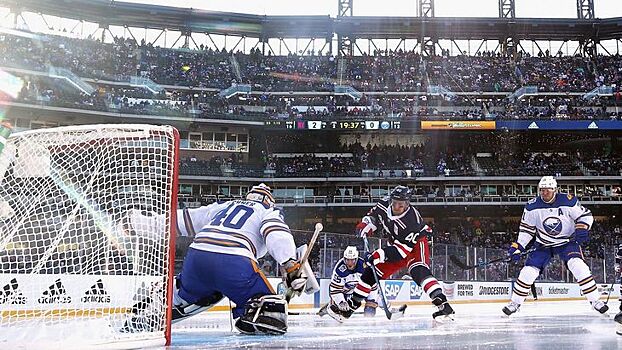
point(392, 313)
point(611, 289)
point(289, 293)
point(464, 266)
point(297, 313)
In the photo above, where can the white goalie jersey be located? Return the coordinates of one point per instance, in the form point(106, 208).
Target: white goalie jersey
point(238, 227)
point(553, 224)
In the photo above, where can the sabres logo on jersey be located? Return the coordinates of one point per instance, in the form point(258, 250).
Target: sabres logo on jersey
point(552, 225)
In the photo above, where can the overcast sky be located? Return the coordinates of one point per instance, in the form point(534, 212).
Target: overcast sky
point(443, 8)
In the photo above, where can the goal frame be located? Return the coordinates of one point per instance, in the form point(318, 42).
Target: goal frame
point(173, 166)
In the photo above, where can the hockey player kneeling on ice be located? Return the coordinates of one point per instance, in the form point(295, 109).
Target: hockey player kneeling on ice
point(346, 274)
point(559, 224)
point(222, 261)
point(408, 247)
point(618, 270)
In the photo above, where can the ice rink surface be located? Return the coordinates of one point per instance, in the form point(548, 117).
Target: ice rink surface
point(538, 325)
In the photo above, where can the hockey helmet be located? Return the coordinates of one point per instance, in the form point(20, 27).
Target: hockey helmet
point(401, 193)
point(351, 253)
point(547, 182)
point(261, 193)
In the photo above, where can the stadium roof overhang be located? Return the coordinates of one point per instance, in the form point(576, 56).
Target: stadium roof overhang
point(107, 12)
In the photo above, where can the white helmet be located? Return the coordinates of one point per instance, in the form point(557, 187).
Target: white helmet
point(261, 193)
point(351, 253)
point(547, 182)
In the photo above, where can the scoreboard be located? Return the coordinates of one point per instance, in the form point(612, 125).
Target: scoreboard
point(334, 124)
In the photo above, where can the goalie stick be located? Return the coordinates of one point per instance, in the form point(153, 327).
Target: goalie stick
point(289, 293)
point(392, 313)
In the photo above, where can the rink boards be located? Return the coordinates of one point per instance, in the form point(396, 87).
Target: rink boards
point(408, 292)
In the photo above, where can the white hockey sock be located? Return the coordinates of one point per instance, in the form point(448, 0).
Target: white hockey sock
point(430, 285)
point(522, 286)
point(582, 274)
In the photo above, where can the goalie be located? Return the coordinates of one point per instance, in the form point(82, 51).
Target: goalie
point(222, 261)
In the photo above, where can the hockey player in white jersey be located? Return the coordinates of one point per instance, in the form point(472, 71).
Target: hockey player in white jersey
point(229, 237)
point(346, 275)
point(558, 224)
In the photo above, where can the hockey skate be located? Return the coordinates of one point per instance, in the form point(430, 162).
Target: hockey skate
point(337, 314)
point(600, 306)
point(511, 308)
point(445, 311)
point(323, 310)
point(341, 315)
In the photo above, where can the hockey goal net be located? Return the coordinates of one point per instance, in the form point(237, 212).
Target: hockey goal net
point(72, 273)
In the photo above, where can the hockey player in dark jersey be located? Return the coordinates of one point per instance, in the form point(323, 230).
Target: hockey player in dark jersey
point(408, 247)
point(618, 269)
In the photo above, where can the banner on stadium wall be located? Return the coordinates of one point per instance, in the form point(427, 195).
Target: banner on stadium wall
point(457, 125)
point(407, 291)
point(559, 125)
point(57, 292)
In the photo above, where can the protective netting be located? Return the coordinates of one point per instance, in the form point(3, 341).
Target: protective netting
point(72, 270)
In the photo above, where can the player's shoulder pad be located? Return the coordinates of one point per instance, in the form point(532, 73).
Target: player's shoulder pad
point(341, 269)
point(384, 201)
point(565, 200)
point(360, 265)
point(273, 213)
point(536, 203)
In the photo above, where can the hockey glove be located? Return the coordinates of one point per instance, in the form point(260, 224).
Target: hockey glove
point(293, 276)
point(366, 227)
point(374, 258)
point(581, 235)
point(343, 305)
point(515, 250)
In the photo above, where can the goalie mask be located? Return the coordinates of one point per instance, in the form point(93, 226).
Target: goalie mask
point(261, 193)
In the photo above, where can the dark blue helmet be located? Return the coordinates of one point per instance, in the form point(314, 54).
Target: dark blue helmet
point(401, 193)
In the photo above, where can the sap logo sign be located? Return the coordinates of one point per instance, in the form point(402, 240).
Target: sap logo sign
point(415, 291)
point(392, 289)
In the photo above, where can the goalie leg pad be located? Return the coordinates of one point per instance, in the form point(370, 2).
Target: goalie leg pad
point(265, 314)
point(183, 309)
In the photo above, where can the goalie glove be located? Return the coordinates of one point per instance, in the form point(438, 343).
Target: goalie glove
point(294, 278)
point(366, 227)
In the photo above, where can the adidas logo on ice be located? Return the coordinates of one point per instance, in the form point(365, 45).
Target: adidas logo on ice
point(55, 294)
point(592, 125)
point(10, 294)
point(96, 294)
point(533, 125)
